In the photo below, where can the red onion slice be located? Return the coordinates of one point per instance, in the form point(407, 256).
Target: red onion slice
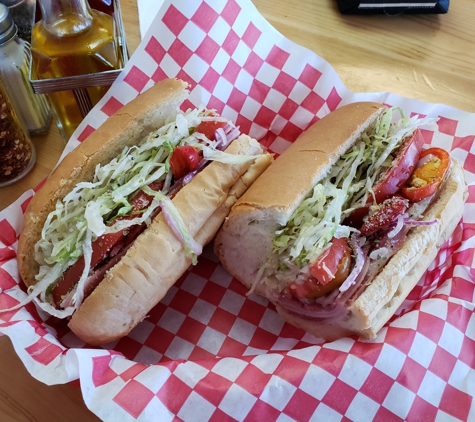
point(233, 134)
point(309, 308)
point(398, 227)
point(173, 224)
point(189, 176)
point(201, 165)
point(410, 222)
point(350, 280)
point(220, 136)
point(361, 280)
point(226, 135)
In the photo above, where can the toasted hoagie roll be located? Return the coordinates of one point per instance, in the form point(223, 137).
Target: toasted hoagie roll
point(341, 227)
point(129, 210)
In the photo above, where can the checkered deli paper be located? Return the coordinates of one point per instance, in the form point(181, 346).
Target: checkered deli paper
point(209, 352)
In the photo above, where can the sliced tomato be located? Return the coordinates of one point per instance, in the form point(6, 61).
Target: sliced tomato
point(426, 179)
point(101, 248)
point(329, 261)
point(208, 127)
point(356, 218)
point(327, 273)
point(184, 159)
point(394, 178)
point(386, 213)
point(142, 200)
point(106, 245)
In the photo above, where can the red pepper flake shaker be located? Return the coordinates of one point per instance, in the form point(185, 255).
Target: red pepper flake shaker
point(17, 153)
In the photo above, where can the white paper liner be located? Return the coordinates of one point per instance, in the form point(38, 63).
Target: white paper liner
point(421, 363)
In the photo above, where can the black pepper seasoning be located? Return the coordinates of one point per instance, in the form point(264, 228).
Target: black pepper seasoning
point(23, 14)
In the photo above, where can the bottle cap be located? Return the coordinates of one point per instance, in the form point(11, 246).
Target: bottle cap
point(8, 28)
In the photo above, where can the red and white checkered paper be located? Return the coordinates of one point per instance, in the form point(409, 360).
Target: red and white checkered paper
point(208, 352)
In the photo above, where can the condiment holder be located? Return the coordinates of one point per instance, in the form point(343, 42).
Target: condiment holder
point(79, 83)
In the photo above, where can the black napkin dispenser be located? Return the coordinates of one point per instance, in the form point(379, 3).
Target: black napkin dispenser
point(392, 7)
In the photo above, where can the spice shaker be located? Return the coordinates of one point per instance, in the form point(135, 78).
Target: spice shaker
point(32, 109)
point(72, 39)
point(23, 14)
point(17, 153)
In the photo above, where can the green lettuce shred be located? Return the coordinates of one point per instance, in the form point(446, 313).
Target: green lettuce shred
point(347, 186)
point(91, 209)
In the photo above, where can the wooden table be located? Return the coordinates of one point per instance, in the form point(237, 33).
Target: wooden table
point(427, 57)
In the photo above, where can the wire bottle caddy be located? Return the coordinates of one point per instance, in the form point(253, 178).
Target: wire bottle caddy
point(64, 66)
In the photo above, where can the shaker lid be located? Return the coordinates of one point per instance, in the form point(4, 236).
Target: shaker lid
point(8, 28)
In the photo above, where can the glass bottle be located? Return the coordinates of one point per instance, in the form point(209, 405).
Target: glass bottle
point(32, 109)
point(73, 39)
point(17, 153)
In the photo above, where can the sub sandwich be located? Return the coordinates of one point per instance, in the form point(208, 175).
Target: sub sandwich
point(342, 226)
point(129, 210)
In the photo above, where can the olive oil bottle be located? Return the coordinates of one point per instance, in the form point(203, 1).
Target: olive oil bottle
point(72, 39)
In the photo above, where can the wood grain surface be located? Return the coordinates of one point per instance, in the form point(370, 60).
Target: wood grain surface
point(426, 57)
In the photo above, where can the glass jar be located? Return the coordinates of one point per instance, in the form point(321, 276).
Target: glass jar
point(32, 109)
point(72, 39)
point(17, 152)
point(23, 14)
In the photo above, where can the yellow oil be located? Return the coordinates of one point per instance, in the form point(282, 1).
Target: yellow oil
point(71, 50)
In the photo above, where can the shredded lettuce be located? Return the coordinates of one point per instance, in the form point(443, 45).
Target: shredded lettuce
point(176, 223)
point(347, 186)
point(91, 208)
point(87, 253)
point(223, 157)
